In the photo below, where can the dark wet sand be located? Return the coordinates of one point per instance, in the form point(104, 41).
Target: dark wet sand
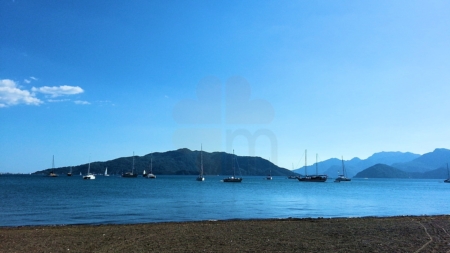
point(393, 234)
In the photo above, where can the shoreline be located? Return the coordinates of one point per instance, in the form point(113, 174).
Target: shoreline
point(358, 234)
point(224, 220)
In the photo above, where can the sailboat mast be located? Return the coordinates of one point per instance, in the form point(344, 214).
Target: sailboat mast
point(343, 167)
point(201, 159)
point(132, 168)
point(306, 167)
point(232, 163)
point(53, 163)
point(317, 169)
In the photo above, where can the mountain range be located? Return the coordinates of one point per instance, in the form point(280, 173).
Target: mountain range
point(429, 165)
point(187, 162)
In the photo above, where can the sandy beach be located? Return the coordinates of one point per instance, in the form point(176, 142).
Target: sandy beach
point(391, 234)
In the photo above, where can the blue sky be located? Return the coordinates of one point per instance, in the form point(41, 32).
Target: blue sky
point(99, 80)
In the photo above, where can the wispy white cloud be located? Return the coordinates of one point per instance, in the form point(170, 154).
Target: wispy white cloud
point(81, 102)
point(57, 91)
point(31, 78)
point(11, 94)
point(57, 100)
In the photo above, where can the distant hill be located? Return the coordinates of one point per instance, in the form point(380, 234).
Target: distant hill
point(438, 173)
point(382, 171)
point(180, 162)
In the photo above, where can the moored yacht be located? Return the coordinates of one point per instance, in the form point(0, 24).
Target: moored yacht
point(150, 175)
point(448, 176)
point(312, 178)
point(52, 173)
point(233, 179)
point(342, 177)
point(130, 174)
point(89, 175)
point(200, 176)
point(269, 177)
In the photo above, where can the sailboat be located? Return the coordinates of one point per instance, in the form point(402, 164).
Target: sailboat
point(292, 176)
point(269, 177)
point(52, 173)
point(312, 178)
point(130, 174)
point(201, 177)
point(233, 179)
point(89, 175)
point(448, 176)
point(106, 172)
point(70, 172)
point(150, 175)
point(342, 177)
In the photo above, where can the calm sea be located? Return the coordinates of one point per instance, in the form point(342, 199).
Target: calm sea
point(38, 200)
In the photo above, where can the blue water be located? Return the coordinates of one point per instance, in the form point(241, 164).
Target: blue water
point(38, 200)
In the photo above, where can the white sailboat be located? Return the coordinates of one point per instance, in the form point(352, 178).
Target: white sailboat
point(52, 173)
point(342, 178)
point(89, 175)
point(201, 177)
point(233, 179)
point(150, 175)
point(106, 172)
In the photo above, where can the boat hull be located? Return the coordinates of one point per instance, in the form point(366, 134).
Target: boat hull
point(313, 178)
point(232, 180)
point(342, 179)
point(150, 176)
point(89, 177)
point(129, 174)
point(200, 178)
